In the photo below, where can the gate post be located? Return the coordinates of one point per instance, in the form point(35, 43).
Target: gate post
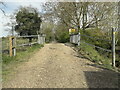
point(44, 38)
point(39, 39)
point(12, 46)
point(79, 39)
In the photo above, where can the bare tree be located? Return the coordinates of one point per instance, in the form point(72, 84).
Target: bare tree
point(82, 15)
point(2, 3)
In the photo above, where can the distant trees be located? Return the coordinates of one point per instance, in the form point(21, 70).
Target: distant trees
point(62, 34)
point(47, 28)
point(28, 21)
point(82, 15)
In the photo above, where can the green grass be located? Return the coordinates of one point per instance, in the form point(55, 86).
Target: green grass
point(5, 43)
point(9, 63)
point(93, 55)
point(20, 54)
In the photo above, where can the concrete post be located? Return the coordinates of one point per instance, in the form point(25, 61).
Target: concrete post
point(39, 39)
point(79, 39)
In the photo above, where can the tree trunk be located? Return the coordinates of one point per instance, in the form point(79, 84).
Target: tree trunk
point(96, 22)
point(83, 19)
point(85, 10)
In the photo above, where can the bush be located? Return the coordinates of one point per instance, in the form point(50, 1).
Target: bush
point(97, 54)
point(20, 54)
point(62, 36)
point(90, 53)
point(47, 30)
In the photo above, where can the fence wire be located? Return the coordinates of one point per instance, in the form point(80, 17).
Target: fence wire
point(97, 47)
point(95, 38)
point(92, 44)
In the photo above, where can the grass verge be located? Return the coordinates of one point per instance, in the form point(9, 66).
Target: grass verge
point(92, 54)
point(9, 63)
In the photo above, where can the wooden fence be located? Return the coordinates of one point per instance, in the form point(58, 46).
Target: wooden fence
point(75, 39)
point(13, 44)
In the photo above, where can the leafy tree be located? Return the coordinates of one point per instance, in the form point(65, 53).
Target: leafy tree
point(28, 21)
point(62, 34)
point(47, 30)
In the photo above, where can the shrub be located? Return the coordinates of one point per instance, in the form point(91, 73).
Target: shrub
point(62, 36)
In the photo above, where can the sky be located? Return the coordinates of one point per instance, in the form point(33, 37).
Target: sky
point(10, 7)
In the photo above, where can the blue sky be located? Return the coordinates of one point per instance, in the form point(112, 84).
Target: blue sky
point(10, 8)
point(12, 5)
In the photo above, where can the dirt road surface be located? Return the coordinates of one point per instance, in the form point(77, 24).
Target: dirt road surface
point(58, 66)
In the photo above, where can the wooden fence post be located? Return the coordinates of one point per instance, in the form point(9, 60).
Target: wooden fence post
point(113, 47)
point(12, 46)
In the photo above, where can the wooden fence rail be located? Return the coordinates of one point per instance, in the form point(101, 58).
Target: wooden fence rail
point(13, 44)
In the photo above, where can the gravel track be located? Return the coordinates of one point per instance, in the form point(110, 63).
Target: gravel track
point(57, 66)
